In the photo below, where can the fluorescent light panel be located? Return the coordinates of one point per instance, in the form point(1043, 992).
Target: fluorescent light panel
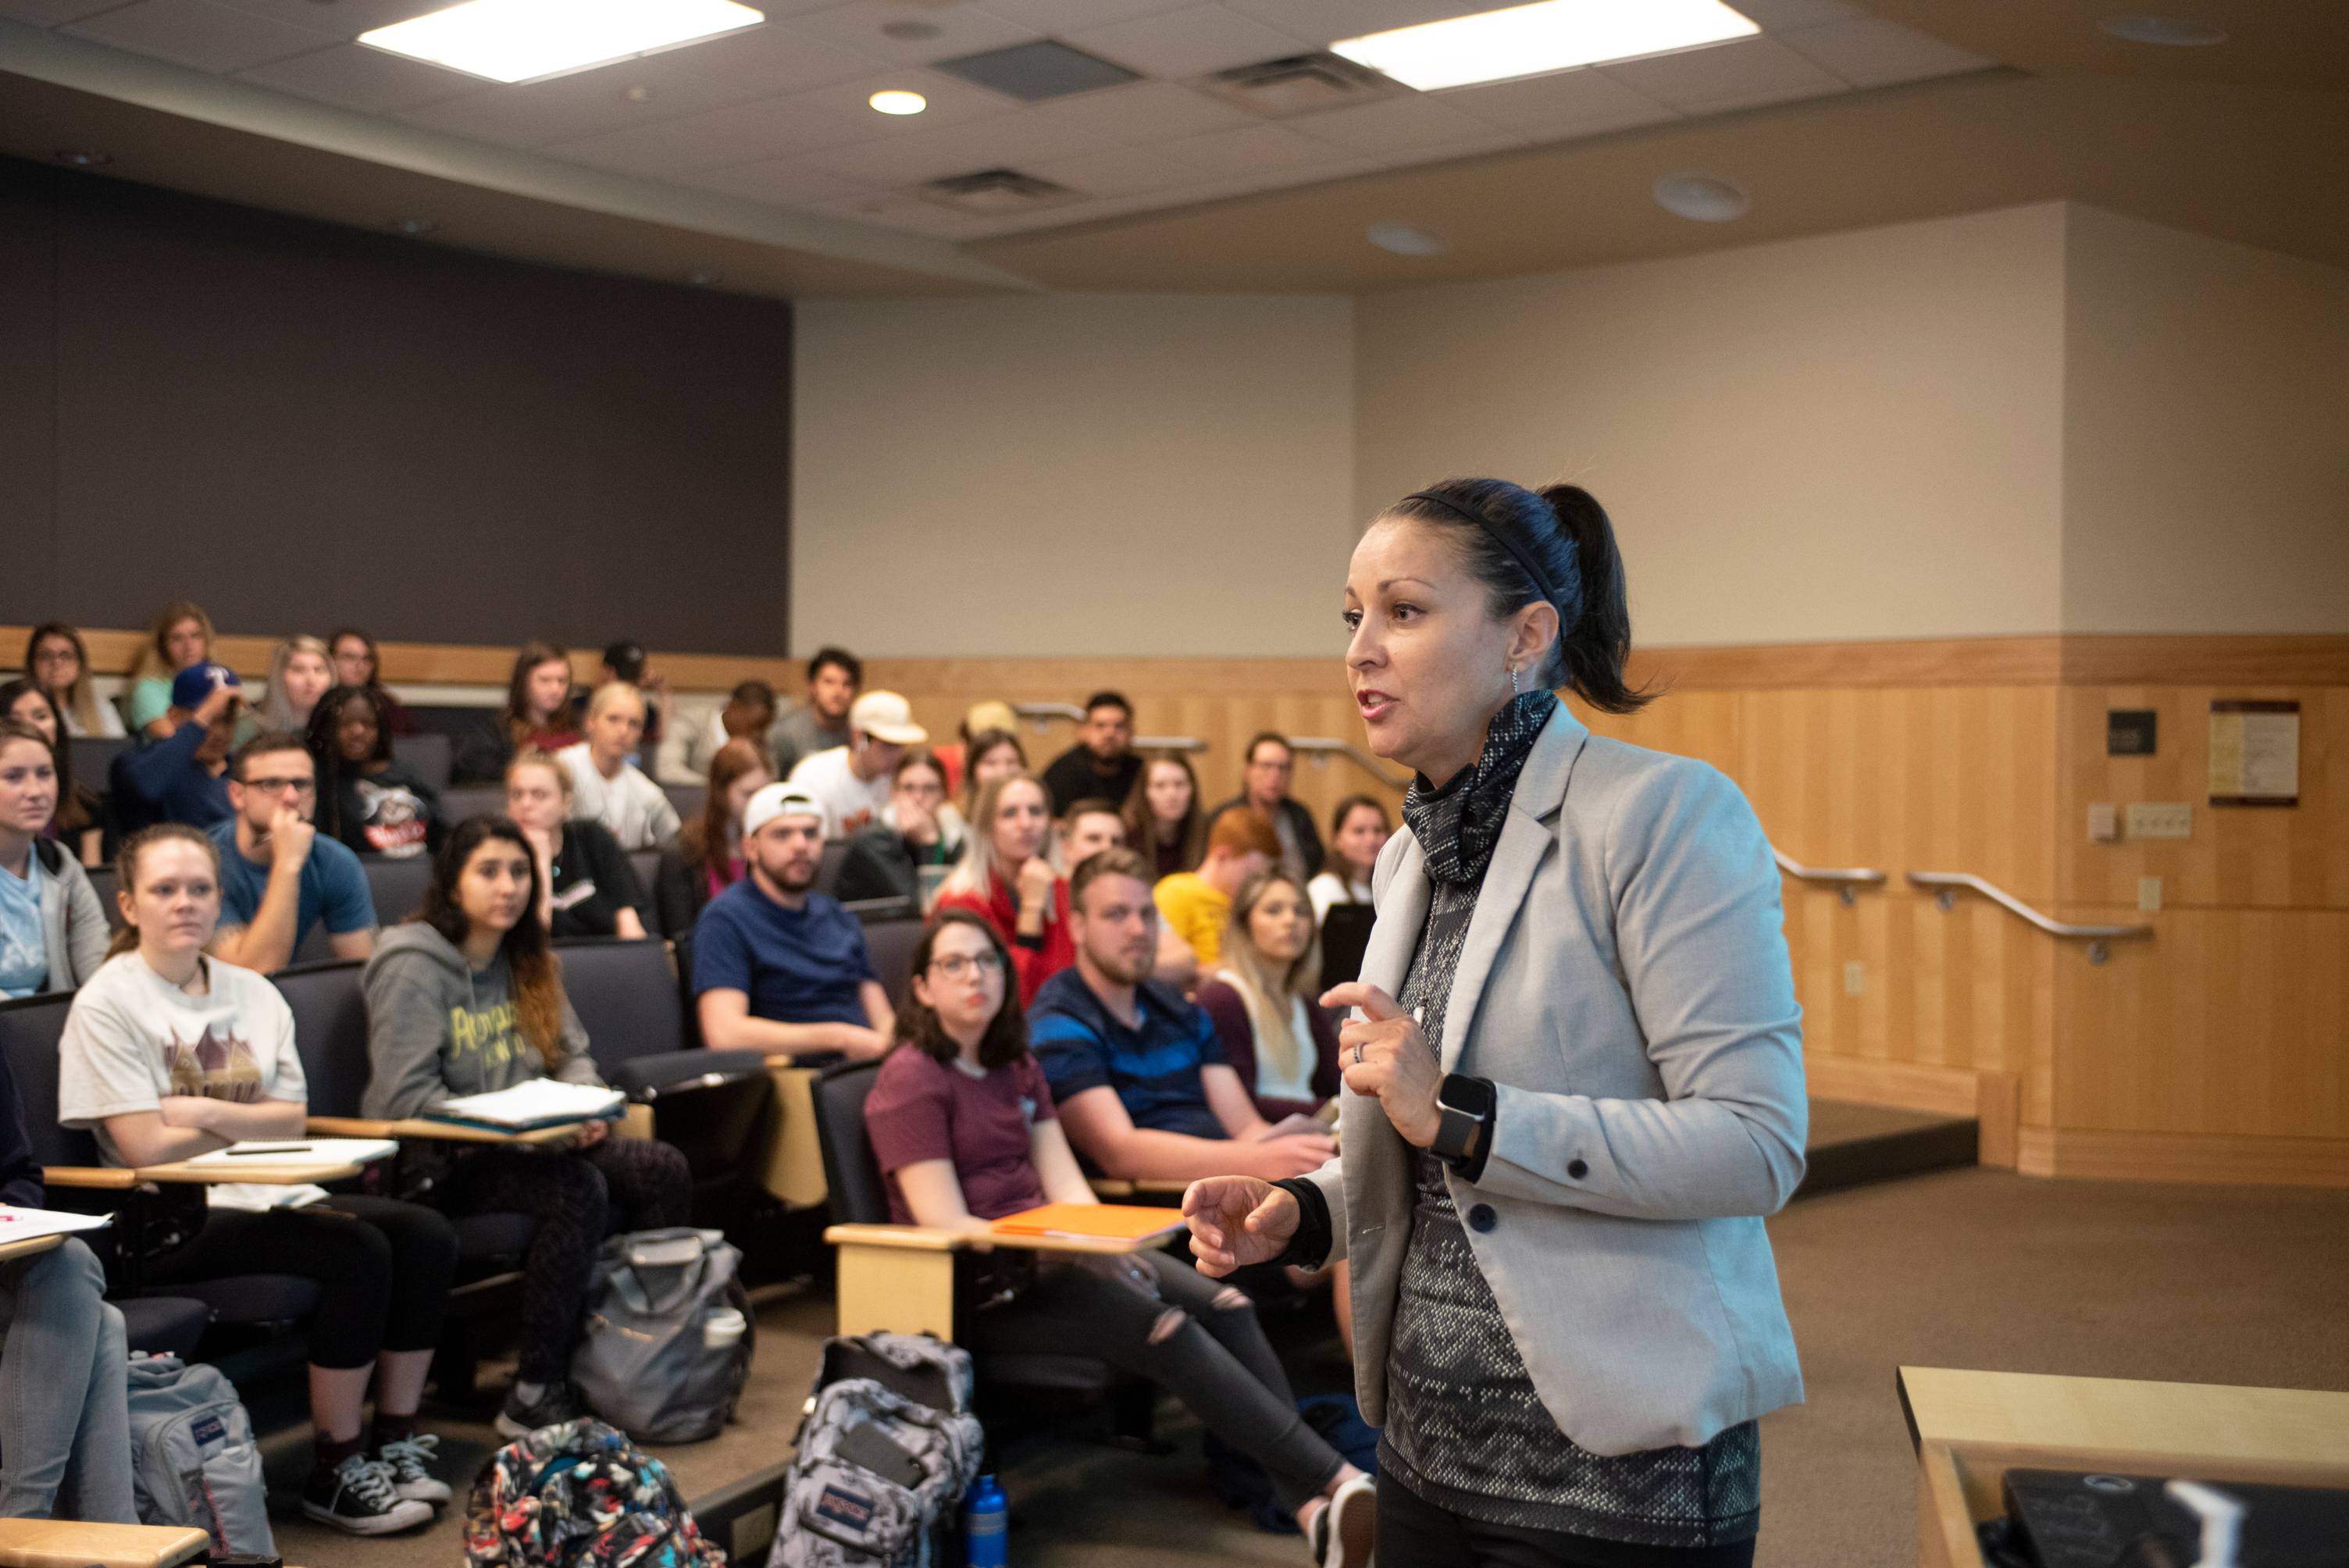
point(1534, 40)
point(524, 40)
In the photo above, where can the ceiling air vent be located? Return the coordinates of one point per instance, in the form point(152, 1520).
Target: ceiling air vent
point(994, 193)
point(1300, 84)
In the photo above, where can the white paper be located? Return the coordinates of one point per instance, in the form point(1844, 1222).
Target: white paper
point(24, 1224)
point(301, 1152)
point(258, 1197)
point(534, 1102)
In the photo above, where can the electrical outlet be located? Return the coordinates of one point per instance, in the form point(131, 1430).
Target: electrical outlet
point(2161, 821)
point(2148, 895)
point(2103, 824)
point(1855, 977)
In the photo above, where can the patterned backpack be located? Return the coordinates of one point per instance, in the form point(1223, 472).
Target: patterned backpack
point(580, 1495)
point(885, 1453)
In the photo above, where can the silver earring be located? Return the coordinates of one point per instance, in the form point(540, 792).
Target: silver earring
point(1517, 681)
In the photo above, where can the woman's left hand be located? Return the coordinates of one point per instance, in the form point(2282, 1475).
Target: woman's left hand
point(592, 1133)
point(1384, 1054)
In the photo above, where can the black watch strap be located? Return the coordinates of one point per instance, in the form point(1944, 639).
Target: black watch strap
point(1463, 1138)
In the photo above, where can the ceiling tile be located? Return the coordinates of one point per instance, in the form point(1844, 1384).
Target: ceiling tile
point(778, 181)
point(961, 30)
point(1146, 111)
point(1874, 53)
point(1116, 172)
point(1059, 17)
point(198, 33)
point(1007, 141)
point(343, 18)
point(1176, 45)
point(355, 76)
point(1401, 125)
point(776, 58)
point(1324, 22)
point(1775, 15)
point(739, 133)
point(1561, 106)
point(1722, 77)
point(50, 13)
point(1253, 150)
point(951, 102)
point(910, 213)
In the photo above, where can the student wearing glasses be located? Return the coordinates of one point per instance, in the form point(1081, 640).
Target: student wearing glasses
point(278, 876)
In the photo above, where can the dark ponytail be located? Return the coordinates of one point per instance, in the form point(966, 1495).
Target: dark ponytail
point(1554, 544)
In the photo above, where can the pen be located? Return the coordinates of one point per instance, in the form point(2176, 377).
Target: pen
point(269, 1149)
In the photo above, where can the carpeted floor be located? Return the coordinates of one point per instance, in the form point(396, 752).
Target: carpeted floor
point(1968, 1268)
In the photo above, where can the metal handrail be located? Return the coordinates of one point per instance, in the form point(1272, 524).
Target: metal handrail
point(2099, 938)
point(1041, 711)
point(1322, 745)
point(1845, 878)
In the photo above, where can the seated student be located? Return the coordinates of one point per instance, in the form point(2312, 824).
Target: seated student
point(53, 932)
point(1197, 905)
point(466, 998)
point(1006, 877)
point(689, 749)
point(358, 663)
point(918, 832)
point(962, 1126)
point(989, 755)
point(301, 671)
point(625, 664)
point(586, 886)
point(777, 967)
point(1264, 792)
point(851, 782)
point(707, 858)
point(1163, 818)
point(1087, 828)
point(278, 878)
point(1101, 764)
point(538, 715)
point(182, 779)
point(167, 1055)
point(64, 1398)
point(56, 660)
point(979, 718)
point(821, 722)
point(606, 786)
point(75, 822)
point(368, 799)
point(1359, 830)
point(1262, 997)
point(180, 640)
point(1136, 1070)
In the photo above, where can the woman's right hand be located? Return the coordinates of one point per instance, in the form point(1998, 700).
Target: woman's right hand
point(1036, 879)
point(1236, 1220)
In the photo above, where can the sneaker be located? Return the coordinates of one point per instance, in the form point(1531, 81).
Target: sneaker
point(410, 1458)
point(357, 1495)
point(554, 1405)
point(1348, 1528)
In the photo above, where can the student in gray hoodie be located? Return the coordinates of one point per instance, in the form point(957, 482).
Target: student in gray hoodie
point(468, 997)
point(53, 934)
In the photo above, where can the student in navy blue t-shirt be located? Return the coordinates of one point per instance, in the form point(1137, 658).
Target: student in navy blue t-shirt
point(778, 967)
point(182, 777)
point(278, 877)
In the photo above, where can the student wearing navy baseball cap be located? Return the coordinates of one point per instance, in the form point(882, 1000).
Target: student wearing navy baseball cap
point(182, 777)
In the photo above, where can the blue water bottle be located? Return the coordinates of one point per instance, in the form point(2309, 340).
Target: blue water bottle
point(986, 1525)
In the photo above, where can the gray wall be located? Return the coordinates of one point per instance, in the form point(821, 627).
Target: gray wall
point(299, 425)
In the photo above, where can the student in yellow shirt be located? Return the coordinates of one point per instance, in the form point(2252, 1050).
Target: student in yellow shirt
point(1196, 905)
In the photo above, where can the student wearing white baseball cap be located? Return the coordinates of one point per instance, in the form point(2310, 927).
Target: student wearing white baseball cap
point(851, 782)
point(777, 967)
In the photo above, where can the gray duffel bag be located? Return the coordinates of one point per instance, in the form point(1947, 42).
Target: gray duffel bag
point(668, 1335)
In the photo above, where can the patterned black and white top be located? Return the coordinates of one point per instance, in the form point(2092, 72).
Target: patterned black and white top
point(1465, 1429)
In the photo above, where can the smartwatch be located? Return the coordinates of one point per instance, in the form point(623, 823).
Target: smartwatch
point(1465, 1132)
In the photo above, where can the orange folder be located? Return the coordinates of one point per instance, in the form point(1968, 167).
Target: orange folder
point(1121, 1221)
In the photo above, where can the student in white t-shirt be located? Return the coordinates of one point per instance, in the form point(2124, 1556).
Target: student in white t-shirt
point(169, 1054)
point(851, 782)
point(606, 786)
point(1359, 830)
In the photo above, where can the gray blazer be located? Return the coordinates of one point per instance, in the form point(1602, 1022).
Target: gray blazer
point(1625, 983)
point(73, 922)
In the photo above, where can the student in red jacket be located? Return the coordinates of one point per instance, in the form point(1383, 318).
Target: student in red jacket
point(1006, 877)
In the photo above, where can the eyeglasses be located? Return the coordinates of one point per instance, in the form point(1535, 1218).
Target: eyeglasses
point(279, 786)
point(960, 965)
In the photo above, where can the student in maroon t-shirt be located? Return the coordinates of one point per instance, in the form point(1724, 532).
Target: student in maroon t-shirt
point(961, 1123)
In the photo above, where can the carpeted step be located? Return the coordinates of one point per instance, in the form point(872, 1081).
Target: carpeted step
point(1852, 1145)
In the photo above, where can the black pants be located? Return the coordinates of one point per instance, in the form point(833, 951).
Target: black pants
point(382, 1267)
point(570, 1193)
point(1416, 1533)
point(1150, 1316)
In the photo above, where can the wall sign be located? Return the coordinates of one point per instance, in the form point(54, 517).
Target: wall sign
point(2254, 753)
point(2130, 731)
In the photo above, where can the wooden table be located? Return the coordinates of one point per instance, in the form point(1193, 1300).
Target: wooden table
point(1971, 1427)
point(442, 1131)
point(900, 1277)
point(26, 1246)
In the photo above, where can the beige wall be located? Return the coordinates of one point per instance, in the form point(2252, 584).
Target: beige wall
point(2206, 434)
point(1853, 436)
point(1073, 475)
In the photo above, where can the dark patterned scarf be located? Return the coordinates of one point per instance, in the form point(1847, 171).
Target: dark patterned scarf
point(1458, 825)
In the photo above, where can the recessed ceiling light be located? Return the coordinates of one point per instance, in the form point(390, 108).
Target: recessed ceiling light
point(413, 226)
point(1405, 240)
point(898, 102)
point(638, 94)
point(1534, 40)
point(83, 157)
point(2175, 32)
point(1701, 198)
point(524, 40)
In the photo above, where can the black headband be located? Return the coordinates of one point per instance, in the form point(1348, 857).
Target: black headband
point(1524, 556)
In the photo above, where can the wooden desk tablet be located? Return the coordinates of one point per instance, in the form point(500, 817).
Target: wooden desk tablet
point(444, 1131)
point(1971, 1427)
point(900, 1277)
point(261, 1171)
point(25, 1247)
point(63, 1543)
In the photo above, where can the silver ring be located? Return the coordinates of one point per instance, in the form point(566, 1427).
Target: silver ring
point(1357, 1055)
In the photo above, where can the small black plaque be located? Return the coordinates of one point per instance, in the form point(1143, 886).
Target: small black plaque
point(2129, 731)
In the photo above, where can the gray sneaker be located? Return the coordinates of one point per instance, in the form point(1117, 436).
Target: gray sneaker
point(357, 1495)
point(410, 1460)
point(556, 1404)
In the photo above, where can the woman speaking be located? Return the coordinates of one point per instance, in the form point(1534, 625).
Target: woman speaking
point(1573, 1075)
